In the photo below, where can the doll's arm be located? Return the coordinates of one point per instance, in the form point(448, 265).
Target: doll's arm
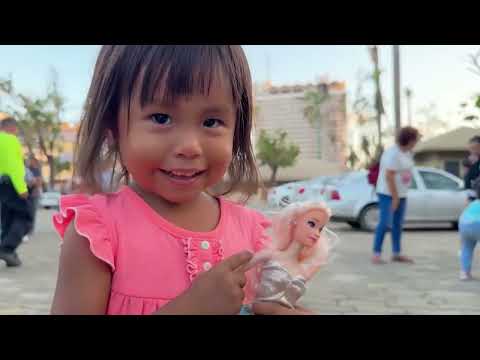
point(304, 311)
point(271, 308)
point(310, 269)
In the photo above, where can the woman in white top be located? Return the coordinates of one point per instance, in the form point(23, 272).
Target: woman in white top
point(394, 179)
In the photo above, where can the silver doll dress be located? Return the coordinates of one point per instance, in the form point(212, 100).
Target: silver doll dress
point(277, 285)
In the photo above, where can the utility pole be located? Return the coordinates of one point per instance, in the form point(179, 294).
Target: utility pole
point(396, 85)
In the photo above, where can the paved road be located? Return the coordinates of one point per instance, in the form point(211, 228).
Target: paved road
point(349, 285)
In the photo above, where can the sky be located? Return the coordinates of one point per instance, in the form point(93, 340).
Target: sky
point(437, 74)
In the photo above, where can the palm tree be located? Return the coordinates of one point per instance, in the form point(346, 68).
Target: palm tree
point(379, 109)
point(314, 114)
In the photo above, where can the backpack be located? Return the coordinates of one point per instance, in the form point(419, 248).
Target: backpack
point(373, 172)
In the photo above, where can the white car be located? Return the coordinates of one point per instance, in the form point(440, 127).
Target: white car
point(50, 200)
point(285, 194)
point(434, 196)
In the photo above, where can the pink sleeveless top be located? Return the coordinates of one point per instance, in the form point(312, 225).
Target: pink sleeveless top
point(152, 260)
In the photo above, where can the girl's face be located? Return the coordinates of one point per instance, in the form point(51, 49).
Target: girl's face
point(308, 227)
point(178, 150)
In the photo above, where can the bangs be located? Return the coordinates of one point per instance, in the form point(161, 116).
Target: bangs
point(181, 71)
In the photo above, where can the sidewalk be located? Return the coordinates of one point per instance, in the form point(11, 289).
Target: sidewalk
point(349, 285)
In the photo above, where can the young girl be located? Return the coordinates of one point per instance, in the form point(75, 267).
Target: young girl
point(469, 226)
point(176, 119)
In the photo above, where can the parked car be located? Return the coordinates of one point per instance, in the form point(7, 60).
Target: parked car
point(304, 190)
point(434, 196)
point(285, 194)
point(50, 200)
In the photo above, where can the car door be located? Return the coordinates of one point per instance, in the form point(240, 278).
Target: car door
point(416, 208)
point(444, 200)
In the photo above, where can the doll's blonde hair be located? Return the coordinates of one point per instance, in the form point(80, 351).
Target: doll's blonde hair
point(282, 226)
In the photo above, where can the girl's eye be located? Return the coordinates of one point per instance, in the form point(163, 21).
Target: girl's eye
point(212, 123)
point(311, 223)
point(161, 119)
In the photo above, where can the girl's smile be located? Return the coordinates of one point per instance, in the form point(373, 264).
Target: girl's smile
point(182, 177)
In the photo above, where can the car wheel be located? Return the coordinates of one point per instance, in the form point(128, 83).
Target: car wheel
point(455, 225)
point(354, 224)
point(47, 207)
point(368, 218)
point(284, 201)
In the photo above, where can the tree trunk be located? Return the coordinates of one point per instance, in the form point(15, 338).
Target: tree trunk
point(30, 150)
point(379, 128)
point(51, 165)
point(273, 176)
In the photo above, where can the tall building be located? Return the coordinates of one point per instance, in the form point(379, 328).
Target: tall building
point(323, 142)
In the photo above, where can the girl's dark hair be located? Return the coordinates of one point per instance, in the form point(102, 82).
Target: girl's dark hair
point(407, 135)
point(184, 70)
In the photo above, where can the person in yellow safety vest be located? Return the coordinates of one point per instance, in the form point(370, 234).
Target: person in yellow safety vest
point(16, 214)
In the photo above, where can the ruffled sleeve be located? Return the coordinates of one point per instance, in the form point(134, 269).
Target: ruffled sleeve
point(261, 239)
point(89, 221)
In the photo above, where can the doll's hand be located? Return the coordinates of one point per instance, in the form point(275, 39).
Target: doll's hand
point(304, 311)
point(271, 308)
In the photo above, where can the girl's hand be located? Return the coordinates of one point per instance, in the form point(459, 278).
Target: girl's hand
point(260, 258)
point(217, 291)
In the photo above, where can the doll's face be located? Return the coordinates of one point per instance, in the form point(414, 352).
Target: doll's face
point(308, 227)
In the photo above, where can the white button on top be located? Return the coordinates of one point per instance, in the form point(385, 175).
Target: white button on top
point(207, 266)
point(205, 245)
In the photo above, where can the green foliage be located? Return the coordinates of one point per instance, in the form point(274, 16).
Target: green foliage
point(475, 68)
point(61, 165)
point(39, 120)
point(275, 151)
point(314, 100)
point(352, 159)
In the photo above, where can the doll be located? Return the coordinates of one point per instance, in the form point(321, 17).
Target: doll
point(300, 246)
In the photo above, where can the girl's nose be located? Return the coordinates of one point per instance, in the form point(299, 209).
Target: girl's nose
point(188, 146)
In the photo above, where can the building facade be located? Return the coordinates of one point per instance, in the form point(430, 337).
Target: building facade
point(323, 142)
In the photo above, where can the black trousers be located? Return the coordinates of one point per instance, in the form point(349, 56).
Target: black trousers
point(16, 216)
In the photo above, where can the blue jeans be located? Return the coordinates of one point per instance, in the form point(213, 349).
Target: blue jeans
point(388, 220)
point(470, 235)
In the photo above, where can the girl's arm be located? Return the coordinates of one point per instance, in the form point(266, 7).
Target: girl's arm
point(83, 282)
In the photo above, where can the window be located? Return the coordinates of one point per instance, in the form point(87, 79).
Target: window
point(434, 181)
point(453, 167)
